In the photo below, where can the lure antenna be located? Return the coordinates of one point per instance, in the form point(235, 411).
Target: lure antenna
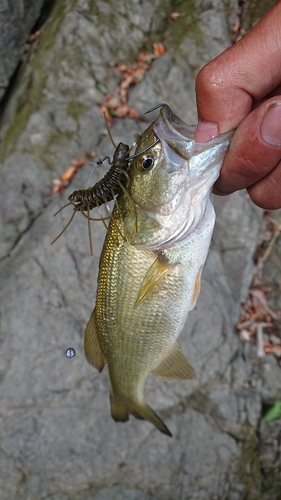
point(108, 130)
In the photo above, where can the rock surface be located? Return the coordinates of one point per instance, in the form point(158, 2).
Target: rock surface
point(17, 18)
point(57, 437)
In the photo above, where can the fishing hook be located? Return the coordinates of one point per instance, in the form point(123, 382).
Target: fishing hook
point(143, 150)
point(160, 106)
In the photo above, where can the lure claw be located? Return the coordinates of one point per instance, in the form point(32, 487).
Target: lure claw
point(101, 160)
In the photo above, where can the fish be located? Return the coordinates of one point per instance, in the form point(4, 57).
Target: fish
point(150, 271)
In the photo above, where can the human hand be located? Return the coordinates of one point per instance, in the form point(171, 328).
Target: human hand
point(241, 89)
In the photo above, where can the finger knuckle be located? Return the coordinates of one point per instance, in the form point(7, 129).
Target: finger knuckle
point(210, 79)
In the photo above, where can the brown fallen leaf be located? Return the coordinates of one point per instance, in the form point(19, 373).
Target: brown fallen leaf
point(175, 15)
point(116, 104)
point(59, 186)
point(67, 176)
point(275, 340)
point(275, 349)
point(33, 36)
point(125, 111)
point(159, 49)
point(261, 303)
point(256, 313)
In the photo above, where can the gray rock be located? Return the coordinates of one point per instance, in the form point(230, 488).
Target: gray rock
point(237, 247)
point(58, 439)
point(17, 18)
point(270, 453)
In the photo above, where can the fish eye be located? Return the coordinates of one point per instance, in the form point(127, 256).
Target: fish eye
point(145, 163)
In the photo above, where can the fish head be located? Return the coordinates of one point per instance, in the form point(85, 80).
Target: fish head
point(170, 182)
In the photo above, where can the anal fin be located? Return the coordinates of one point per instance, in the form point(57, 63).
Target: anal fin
point(93, 352)
point(155, 275)
point(175, 366)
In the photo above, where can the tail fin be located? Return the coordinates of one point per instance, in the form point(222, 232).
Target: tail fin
point(144, 412)
point(141, 411)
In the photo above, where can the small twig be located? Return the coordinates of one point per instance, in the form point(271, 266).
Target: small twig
point(260, 347)
point(264, 305)
point(272, 242)
point(245, 324)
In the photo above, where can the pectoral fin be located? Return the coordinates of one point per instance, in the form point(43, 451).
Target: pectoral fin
point(174, 366)
point(196, 290)
point(93, 352)
point(155, 275)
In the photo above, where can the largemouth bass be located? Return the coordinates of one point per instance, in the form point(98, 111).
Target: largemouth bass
point(151, 264)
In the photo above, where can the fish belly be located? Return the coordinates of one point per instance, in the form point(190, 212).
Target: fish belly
point(134, 340)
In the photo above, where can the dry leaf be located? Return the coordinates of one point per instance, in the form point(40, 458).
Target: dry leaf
point(159, 49)
point(126, 112)
point(33, 36)
point(255, 312)
point(175, 15)
point(276, 350)
point(68, 174)
point(244, 335)
point(116, 104)
point(59, 186)
point(76, 164)
point(275, 340)
point(261, 303)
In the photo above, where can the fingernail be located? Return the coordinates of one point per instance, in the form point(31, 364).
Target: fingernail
point(217, 190)
point(205, 131)
point(271, 125)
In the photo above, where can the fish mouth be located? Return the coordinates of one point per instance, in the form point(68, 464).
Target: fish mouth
point(173, 131)
point(180, 136)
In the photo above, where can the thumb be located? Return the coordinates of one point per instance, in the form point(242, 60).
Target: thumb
point(253, 160)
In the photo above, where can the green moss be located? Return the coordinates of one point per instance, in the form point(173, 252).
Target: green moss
point(271, 486)
point(32, 78)
point(92, 6)
point(188, 24)
point(53, 25)
point(48, 152)
point(246, 467)
point(27, 102)
point(249, 467)
point(254, 10)
point(75, 109)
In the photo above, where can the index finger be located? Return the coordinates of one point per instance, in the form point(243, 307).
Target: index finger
point(227, 86)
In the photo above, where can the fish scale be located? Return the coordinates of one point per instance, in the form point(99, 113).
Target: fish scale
point(135, 329)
